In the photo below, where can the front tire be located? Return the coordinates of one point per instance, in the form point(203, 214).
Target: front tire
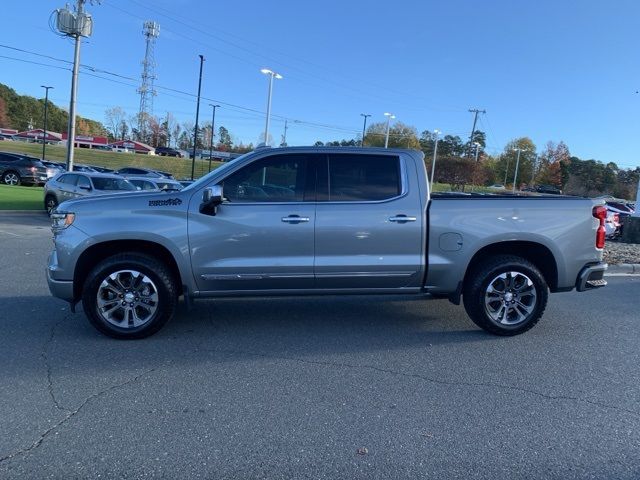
point(11, 178)
point(50, 203)
point(130, 296)
point(505, 295)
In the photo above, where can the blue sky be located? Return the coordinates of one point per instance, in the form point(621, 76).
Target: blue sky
point(550, 70)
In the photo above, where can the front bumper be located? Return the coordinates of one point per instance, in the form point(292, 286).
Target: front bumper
point(591, 276)
point(59, 288)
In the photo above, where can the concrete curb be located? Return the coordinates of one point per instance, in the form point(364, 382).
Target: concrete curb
point(21, 212)
point(624, 269)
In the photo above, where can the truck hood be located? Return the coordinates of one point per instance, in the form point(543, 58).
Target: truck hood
point(128, 202)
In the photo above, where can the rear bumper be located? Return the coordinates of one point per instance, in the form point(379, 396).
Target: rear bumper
point(591, 276)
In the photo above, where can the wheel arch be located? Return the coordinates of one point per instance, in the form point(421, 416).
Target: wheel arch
point(535, 253)
point(100, 251)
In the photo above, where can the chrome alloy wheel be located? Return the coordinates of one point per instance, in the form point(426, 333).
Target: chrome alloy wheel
point(510, 298)
point(127, 299)
point(11, 179)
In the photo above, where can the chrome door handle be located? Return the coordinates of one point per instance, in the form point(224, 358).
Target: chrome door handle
point(295, 219)
point(402, 219)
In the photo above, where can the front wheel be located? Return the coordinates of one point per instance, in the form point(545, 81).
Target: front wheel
point(505, 295)
point(50, 203)
point(11, 178)
point(130, 296)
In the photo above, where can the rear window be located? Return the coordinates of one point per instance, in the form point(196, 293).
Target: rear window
point(362, 178)
point(115, 184)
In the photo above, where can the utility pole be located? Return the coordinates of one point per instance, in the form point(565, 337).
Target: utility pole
point(75, 25)
point(195, 132)
point(476, 146)
point(506, 172)
point(213, 132)
point(433, 164)
point(364, 127)
point(44, 130)
point(475, 111)
point(284, 136)
point(515, 176)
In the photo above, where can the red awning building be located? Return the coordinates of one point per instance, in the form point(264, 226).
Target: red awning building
point(133, 145)
point(7, 132)
point(87, 141)
point(37, 134)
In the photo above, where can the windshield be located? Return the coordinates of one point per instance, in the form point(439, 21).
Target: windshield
point(205, 179)
point(112, 184)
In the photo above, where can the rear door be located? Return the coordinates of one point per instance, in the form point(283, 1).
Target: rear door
point(368, 223)
point(262, 236)
point(67, 186)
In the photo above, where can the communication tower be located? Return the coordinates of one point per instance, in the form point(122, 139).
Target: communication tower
point(151, 31)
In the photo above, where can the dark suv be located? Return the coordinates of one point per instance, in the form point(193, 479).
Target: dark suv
point(16, 169)
point(168, 152)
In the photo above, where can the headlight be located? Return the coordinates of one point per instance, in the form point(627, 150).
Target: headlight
point(61, 220)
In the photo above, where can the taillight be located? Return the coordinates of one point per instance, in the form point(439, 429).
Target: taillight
point(600, 213)
point(33, 169)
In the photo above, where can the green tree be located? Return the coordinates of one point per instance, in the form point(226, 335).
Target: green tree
point(400, 136)
point(507, 161)
point(224, 139)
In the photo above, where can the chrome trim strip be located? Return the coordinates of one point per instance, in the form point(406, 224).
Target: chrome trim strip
point(364, 274)
point(253, 276)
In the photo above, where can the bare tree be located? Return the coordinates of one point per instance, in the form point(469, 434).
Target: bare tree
point(114, 117)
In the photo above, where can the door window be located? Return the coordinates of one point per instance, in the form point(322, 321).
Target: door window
point(83, 181)
point(280, 178)
point(69, 179)
point(361, 178)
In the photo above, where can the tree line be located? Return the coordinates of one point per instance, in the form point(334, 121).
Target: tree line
point(456, 163)
point(22, 112)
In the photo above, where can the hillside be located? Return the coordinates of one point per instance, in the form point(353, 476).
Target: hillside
point(16, 111)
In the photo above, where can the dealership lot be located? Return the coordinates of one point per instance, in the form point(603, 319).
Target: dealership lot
point(326, 387)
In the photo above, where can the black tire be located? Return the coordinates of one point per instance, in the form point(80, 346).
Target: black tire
point(511, 306)
point(50, 202)
point(160, 279)
point(11, 178)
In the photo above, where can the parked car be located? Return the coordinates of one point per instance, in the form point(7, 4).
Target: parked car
point(69, 185)
point(612, 225)
point(322, 220)
point(548, 189)
point(101, 169)
point(53, 168)
point(142, 172)
point(149, 184)
point(497, 186)
point(83, 168)
point(17, 169)
point(186, 183)
point(168, 152)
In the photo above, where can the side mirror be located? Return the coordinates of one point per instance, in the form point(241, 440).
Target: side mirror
point(211, 198)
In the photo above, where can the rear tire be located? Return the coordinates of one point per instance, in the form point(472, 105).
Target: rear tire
point(505, 295)
point(130, 296)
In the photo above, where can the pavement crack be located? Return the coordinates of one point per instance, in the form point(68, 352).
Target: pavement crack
point(439, 381)
point(45, 356)
point(72, 413)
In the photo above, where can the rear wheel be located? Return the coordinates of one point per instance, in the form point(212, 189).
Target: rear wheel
point(130, 296)
point(11, 178)
point(505, 295)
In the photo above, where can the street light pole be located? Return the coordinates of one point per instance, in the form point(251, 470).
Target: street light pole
point(515, 176)
point(364, 127)
point(386, 138)
point(506, 172)
point(433, 164)
point(44, 133)
point(271, 74)
point(213, 130)
point(195, 132)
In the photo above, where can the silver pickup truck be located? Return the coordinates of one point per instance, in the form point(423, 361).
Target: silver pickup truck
point(321, 221)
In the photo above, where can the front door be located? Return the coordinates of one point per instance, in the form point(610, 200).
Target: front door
point(262, 236)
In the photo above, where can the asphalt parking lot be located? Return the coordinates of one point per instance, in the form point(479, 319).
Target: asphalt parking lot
point(331, 387)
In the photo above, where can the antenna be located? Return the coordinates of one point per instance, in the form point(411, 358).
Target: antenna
point(151, 31)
